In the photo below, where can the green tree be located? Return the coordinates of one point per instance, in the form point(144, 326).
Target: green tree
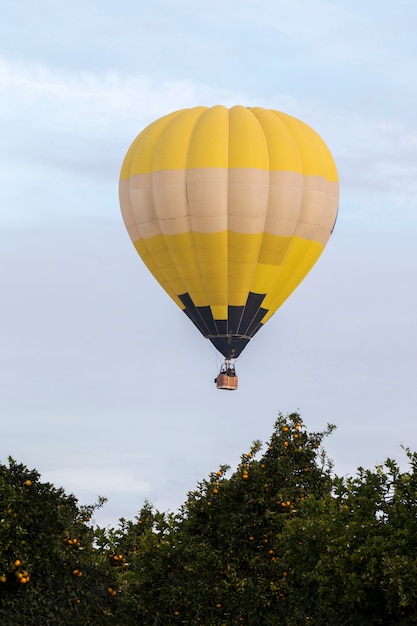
point(50, 571)
point(221, 559)
point(362, 542)
point(280, 540)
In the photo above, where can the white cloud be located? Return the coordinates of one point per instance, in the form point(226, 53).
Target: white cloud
point(83, 123)
point(90, 102)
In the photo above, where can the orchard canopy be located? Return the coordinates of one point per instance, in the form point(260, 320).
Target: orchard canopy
point(278, 540)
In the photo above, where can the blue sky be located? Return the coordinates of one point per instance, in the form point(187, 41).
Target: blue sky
point(104, 394)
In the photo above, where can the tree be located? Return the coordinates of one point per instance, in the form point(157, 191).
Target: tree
point(281, 540)
point(363, 540)
point(221, 559)
point(49, 569)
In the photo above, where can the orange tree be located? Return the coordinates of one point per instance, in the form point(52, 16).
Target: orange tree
point(50, 571)
point(221, 558)
point(362, 544)
point(279, 541)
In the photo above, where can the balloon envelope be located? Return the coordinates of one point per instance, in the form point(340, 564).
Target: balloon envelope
point(229, 209)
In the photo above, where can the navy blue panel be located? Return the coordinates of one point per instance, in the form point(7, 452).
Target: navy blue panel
point(221, 327)
point(255, 330)
point(229, 336)
point(251, 312)
point(207, 316)
point(250, 331)
point(186, 300)
point(193, 314)
point(234, 315)
point(229, 346)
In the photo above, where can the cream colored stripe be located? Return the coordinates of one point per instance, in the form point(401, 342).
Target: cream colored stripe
point(210, 200)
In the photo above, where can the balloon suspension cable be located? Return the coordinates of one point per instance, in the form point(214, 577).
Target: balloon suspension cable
point(227, 377)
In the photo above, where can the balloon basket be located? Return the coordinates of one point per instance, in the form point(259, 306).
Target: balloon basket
point(227, 378)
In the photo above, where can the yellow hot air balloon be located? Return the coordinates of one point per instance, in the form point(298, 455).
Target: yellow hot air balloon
point(229, 209)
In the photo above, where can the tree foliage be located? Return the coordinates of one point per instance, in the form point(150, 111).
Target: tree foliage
point(280, 540)
point(49, 569)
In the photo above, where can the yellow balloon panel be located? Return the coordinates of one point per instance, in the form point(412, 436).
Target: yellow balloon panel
point(207, 149)
point(229, 209)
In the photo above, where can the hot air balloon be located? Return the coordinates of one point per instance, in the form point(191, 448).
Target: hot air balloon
point(229, 209)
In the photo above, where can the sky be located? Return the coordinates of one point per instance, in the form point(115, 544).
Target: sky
point(106, 395)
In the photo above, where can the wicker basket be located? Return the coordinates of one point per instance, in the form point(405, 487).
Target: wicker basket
point(223, 381)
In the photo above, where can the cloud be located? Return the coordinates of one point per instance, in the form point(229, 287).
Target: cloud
point(322, 33)
point(60, 126)
point(376, 158)
point(56, 124)
point(92, 102)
